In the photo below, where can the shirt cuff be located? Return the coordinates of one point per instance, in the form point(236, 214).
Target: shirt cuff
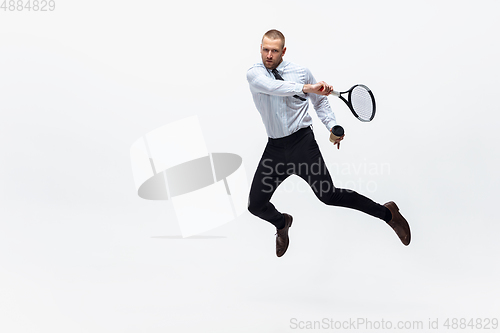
point(298, 88)
point(330, 125)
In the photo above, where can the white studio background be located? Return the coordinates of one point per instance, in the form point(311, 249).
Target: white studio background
point(81, 252)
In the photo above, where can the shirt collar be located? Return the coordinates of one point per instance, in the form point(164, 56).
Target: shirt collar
point(280, 67)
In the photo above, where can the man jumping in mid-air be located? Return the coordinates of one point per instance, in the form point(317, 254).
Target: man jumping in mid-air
point(281, 91)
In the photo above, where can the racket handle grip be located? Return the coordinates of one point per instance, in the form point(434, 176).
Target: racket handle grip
point(335, 93)
point(337, 132)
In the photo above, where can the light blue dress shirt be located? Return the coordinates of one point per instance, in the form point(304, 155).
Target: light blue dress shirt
point(283, 114)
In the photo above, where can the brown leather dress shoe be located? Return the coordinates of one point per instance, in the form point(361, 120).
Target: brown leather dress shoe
point(282, 236)
point(398, 223)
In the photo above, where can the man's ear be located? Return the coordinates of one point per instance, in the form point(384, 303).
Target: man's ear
point(284, 50)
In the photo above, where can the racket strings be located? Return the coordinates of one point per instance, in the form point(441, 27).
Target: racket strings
point(362, 103)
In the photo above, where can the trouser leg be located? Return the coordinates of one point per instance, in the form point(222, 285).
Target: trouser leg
point(269, 175)
point(311, 167)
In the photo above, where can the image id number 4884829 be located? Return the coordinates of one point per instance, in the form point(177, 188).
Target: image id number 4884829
point(28, 5)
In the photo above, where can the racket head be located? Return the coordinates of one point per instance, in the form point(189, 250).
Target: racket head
point(361, 101)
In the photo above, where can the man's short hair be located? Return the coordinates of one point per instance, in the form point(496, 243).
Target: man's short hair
point(275, 34)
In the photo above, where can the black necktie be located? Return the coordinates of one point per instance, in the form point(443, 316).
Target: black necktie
point(278, 77)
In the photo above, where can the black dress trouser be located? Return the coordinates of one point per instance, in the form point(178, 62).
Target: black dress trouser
point(299, 154)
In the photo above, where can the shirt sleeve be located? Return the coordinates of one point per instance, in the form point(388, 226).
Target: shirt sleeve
point(321, 105)
point(261, 83)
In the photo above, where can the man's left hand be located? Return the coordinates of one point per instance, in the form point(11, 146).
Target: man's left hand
point(337, 142)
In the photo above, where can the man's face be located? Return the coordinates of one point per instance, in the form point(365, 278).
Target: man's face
point(272, 52)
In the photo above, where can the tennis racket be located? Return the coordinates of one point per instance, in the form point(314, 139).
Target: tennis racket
point(360, 101)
